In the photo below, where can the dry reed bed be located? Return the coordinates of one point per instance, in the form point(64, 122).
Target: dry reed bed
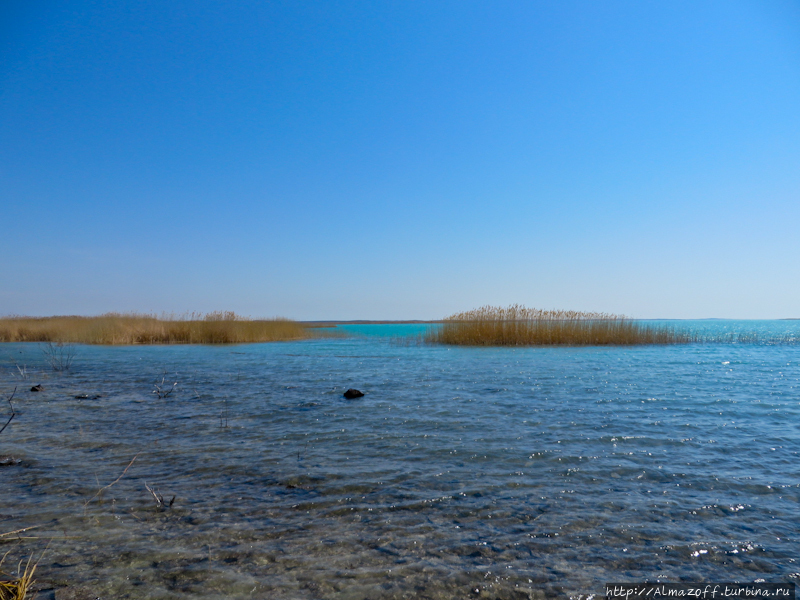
point(113, 328)
point(521, 326)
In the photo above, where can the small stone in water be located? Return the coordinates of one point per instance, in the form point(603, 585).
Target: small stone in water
point(351, 393)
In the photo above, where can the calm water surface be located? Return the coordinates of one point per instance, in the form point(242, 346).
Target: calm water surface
point(463, 472)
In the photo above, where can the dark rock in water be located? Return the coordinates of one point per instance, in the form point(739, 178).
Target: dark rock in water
point(351, 393)
point(37, 388)
point(9, 461)
point(87, 397)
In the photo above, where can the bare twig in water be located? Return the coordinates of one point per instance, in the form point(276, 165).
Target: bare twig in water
point(23, 371)
point(18, 531)
point(159, 388)
point(223, 417)
point(102, 489)
point(59, 355)
point(160, 502)
point(13, 412)
point(304, 452)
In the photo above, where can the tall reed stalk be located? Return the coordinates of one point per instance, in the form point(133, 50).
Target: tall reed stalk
point(517, 325)
point(116, 328)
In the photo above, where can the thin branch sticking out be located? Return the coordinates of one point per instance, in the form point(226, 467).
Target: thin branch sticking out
point(59, 355)
point(160, 502)
point(100, 491)
point(159, 388)
point(223, 417)
point(13, 412)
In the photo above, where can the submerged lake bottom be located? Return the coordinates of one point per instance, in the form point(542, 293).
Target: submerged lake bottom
point(506, 473)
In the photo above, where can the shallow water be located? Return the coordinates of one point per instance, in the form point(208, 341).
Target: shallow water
point(463, 472)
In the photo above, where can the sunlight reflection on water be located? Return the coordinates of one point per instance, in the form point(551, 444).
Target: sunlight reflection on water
point(518, 473)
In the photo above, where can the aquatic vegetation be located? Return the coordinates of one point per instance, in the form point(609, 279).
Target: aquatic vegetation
point(521, 326)
point(17, 588)
point(116, 328)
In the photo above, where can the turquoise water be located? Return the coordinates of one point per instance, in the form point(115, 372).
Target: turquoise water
point(387, 330)
point(463, 472)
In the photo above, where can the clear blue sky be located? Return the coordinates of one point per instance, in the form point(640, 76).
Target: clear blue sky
point(346, 160)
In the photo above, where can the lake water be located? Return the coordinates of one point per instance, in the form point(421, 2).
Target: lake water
point(462, 473)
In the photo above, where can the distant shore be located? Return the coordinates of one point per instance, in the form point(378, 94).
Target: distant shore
point(222, 327)
point(364, 322)
point(486, 326)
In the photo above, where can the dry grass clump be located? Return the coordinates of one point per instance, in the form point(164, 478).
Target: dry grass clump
point(115, 328)
point(521, 326)
point(17, 588)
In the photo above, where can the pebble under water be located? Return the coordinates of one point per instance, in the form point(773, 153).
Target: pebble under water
point(462, 473)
